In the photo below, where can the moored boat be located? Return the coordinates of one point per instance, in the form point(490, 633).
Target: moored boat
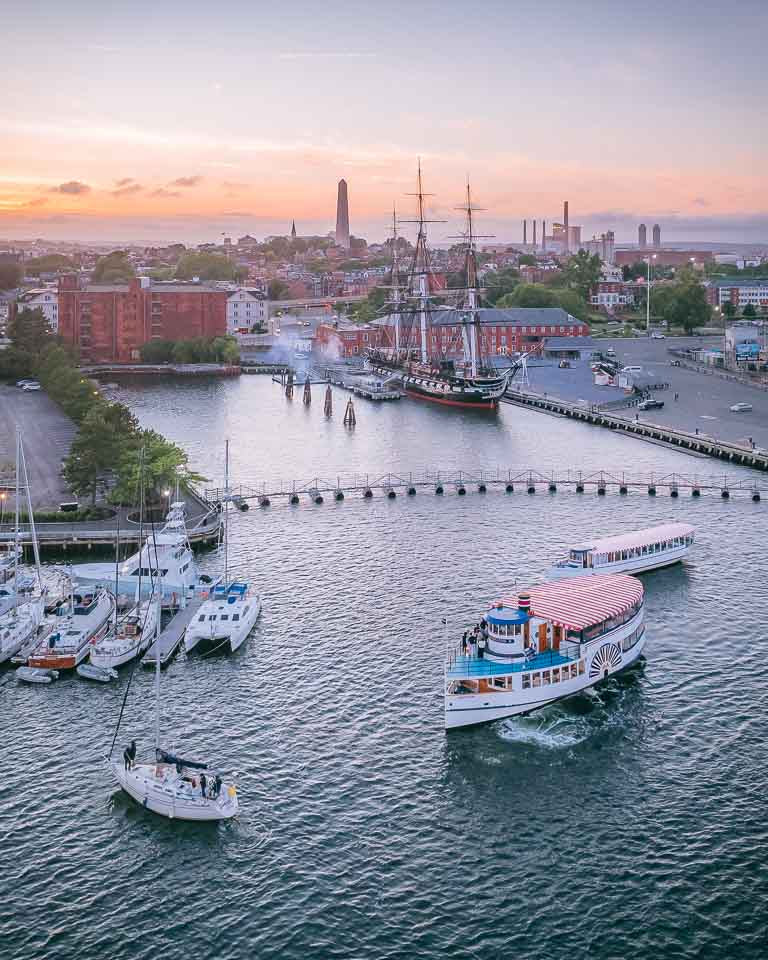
point(128, 638)
point(224, 621)
point(102, 674)
point(36, 675)
point(548, 643)
point(636, 552)
point(85, 620)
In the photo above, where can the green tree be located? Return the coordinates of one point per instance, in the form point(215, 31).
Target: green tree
point(277, 290)
point(208, 266)
point(572, 303)
point(366, 311)
point(682, 304)
point(51, 263)
point(729, 310)
point(583, 271)
point(10, 276)
point(526, 260)
point(749, 312)
point(28, 330)
point(115, 267)
point(499, 283)
point(533, 295)
point(108, 434)
point(638, 269)
point(157, 351)
point(164, 463)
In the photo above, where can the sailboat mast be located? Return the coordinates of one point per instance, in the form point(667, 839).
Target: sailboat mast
point(17, 521)
point(421, 253)
point(474, 346)
point(226, 511)
point(395, 284)
point(31, 515)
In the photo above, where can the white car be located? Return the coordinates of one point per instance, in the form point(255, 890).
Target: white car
point(657, 336)
point(31, 386)
point(22, 383)
point(741, 408)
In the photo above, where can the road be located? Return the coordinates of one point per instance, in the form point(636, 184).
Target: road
point(47, 434)
point(703, 400)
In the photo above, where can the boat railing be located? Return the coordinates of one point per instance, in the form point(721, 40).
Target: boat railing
point(473, 665)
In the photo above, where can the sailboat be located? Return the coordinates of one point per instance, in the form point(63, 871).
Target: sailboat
point(225, 620)
point(472, 383)
point(170, 785)
point(21, 614)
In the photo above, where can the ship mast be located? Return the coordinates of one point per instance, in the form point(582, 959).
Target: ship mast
point(395, 285)
point(420, 268)
point(471, 323)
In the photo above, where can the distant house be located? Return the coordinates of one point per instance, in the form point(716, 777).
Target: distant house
point(246, 309)
point(42, 298)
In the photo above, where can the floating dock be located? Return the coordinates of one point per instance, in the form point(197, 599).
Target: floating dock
point(170, 638)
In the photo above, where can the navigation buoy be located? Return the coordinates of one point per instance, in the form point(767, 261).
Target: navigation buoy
point(367, 493)
point(579, 488)
point(651, 491)
point(725, 494)
point(674, 493)
point(553, 488)
point(509, 488)
point(294, 499)
point(622, 489)
point(439, 490)
point(481, 488)
point(411, 491)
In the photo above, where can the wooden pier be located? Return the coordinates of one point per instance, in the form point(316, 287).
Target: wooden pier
point(691, 442)
point(461, 482)
point(170, 638)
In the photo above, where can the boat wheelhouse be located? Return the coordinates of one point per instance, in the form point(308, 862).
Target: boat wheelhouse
point(636, 552)
point(548, 643)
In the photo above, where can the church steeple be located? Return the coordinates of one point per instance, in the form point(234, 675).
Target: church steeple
point(293, 230)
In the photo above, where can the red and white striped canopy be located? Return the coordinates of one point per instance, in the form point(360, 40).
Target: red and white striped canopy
point(581, 602)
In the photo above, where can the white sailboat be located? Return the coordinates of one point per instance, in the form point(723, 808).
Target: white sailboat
point(21, 614)
point(171, 786)
point(225, 620)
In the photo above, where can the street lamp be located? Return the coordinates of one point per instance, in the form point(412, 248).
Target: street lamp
point(648, 296)
point(167, 493)
point(3, 495)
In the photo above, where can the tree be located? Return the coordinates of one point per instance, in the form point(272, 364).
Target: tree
point(573, 304)
point(729, 310)
point(749, 312)
point(10, 276)
point(367, 310)
point(277, 290)
point(526, 260)
point(28, 330)
point(208, 266)
point(164, 464)
point(115, 267)
point(157, 351)
point(499, 283)
point(108, 434)
point(51, 263)
point(583, 271)
point(682, 304)
point(532, 295)
point(638, 269)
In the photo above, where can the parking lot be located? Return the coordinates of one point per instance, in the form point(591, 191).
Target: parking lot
point(703, 402)
point(47, 435)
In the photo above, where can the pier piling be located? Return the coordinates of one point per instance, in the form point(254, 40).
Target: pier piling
point(328, 406)
point(307, 398)
point(349, 414)
point(289, 386)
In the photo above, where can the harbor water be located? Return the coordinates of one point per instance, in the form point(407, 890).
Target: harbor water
point(629, 822)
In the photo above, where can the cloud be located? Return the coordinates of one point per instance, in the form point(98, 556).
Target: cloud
point(164, 194)
point(72, 187)
point(128, 191)
point(322, 55)
point(37, 202)
point(700, 202)
point(185, 182)
point(124, 182)
point(234, 185)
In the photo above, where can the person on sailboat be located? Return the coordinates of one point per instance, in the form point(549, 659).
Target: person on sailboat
point(217, 786)
point(129, 755)
point(202, 784)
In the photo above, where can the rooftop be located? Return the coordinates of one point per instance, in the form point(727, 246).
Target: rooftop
point(524, 316)
point(639, 538)
point(582, 602)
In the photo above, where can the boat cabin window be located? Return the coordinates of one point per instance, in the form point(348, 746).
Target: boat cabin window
point(235, 616)
point(499, 682)
point(201, 618)
point(225, 616)
point(212, 616)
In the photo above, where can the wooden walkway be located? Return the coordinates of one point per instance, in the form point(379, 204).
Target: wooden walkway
point(462, 482)
point(170, 639)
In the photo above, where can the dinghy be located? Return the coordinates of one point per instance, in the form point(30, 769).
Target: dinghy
point(89, 671)
point(36, 674)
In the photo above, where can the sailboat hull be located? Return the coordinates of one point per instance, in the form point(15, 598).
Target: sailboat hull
point(162, 798)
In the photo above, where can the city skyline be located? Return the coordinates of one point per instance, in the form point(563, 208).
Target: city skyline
point(136, 140)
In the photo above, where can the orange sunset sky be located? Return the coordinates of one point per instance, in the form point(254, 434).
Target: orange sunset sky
point(186, 121)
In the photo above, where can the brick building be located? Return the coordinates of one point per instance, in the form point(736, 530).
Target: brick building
point(108, 323)
point(345, 340)
point(739, 291)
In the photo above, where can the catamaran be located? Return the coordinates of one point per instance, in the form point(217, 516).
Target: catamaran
point(548, 643)
point(224, 621)
point(636, 552)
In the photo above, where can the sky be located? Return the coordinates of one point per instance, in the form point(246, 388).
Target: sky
point(152, 122)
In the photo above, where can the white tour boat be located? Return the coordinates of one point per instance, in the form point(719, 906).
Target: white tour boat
point(165, 555)
point(129, 638)
point(85, 620)
point(224, 621)
point(634, 552)
point(550, 642)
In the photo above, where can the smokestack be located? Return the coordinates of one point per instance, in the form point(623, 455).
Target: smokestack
point(543, 234)
point(534, 234)
point(565, 225)
point(525, 232)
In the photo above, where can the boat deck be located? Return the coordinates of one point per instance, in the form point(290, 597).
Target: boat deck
point(472, 666)
point(170, 639)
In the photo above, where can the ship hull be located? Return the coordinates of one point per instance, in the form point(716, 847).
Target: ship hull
point(469, 394)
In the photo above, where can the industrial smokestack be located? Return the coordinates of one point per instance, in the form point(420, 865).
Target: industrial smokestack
point(565, 225)
point(525, 232)
point(534, 234)
point(543, 234)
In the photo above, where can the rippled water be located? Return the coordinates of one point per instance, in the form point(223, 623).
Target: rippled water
point(629, 822)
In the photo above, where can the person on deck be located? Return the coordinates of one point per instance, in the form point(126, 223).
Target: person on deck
point(202, 784)
point(217, 786)
point(129, 755)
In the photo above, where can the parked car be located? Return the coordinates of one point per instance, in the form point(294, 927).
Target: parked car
point(631, 369)
point(650, 404)
point(21, 383)
point(657, 336)
point(741, 407)
point(31, 385)
point(674, 363)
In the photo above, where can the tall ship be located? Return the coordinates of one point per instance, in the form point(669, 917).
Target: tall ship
point(472, 381)
point(544, 645)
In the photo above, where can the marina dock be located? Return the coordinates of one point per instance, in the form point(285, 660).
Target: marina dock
point(170, 638)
